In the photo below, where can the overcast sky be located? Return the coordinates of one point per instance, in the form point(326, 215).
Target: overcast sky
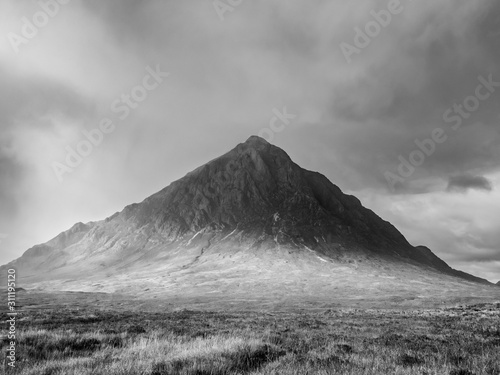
point(358, 113)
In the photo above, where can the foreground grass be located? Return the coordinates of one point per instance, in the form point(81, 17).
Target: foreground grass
point(458, 341)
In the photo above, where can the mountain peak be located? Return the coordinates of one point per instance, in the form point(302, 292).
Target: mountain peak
point(256, 143)
point(254, 139)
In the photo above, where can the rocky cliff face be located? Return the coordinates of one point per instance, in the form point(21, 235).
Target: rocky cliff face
point(253, 199)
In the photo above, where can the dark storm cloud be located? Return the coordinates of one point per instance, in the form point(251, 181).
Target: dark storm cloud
point(409, 78)
point(28, 105)
point(141, 24)
point(33, 97)
point(26, 101)
point(466, 182)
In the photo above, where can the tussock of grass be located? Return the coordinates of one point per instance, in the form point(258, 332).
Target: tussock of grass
point(43, 345)
point(236, 358)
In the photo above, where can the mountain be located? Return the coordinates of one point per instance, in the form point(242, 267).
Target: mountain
point(249, 223)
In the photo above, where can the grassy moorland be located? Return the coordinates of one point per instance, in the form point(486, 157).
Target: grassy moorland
point(69, 341)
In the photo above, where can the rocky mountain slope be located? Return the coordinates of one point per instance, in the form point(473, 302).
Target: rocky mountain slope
point(248, 216)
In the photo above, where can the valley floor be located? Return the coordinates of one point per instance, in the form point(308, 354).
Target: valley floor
point(67, 339)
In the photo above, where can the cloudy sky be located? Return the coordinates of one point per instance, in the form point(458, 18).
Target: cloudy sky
point(363, 105)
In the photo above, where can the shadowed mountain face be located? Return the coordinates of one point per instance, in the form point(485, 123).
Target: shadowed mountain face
point(248, 216)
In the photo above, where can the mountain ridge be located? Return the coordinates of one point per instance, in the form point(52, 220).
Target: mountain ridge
point(253, 203)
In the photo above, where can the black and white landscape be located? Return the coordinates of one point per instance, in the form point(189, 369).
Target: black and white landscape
point(232, 187)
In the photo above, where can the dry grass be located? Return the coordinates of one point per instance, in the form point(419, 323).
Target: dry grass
point(455, 341)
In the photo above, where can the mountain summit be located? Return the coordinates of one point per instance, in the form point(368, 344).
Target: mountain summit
point(249, 219)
